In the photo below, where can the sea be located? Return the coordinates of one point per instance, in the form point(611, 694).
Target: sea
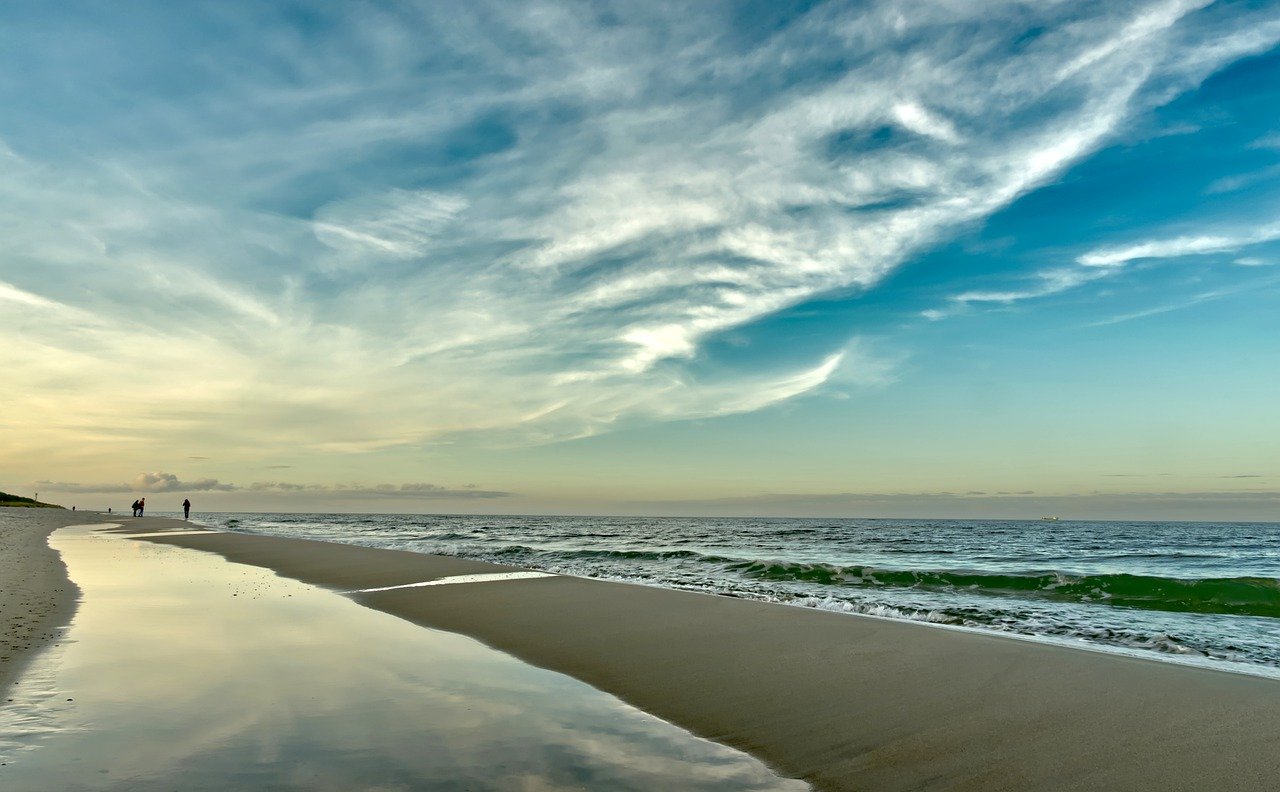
point(1206, 594)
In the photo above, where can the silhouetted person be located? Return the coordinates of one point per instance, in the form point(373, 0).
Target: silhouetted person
point(186, 509)
point(142, 506)
point(136, 506)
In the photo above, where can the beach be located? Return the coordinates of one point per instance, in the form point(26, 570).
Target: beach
point(840, 701)
point(35, 595)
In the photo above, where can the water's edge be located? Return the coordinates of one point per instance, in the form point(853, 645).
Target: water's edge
point(1203, 594)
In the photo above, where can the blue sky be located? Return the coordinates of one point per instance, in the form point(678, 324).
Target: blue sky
point(816, 258)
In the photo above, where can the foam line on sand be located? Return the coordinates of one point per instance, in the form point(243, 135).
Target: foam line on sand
point(162, 533)
point(494, 577)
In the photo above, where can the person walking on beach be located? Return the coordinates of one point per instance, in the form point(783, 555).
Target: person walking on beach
point(142, 505)
point(135, 508)
point(186, 508)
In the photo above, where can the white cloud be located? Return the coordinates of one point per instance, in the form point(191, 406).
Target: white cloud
point(1045, 283)
point(1243, 180)
point(654, 186)
point(1180, 246)
point(398, 223)
point(12, 294)
point(1105, 262)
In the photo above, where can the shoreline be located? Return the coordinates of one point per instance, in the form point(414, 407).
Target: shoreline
point(840, 702)
point(36, 597)
point(1171, 652)
point(181, 670)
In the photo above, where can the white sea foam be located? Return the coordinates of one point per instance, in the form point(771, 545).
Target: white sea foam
point(165, 533)
point(492, 577)
point(875, 609)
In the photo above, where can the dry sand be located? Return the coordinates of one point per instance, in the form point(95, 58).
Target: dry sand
point(845, 702)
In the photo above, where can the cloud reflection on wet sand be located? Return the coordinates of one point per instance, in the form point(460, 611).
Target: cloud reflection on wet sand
point(184, 668)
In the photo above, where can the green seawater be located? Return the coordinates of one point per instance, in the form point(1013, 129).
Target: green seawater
point(1204, 593)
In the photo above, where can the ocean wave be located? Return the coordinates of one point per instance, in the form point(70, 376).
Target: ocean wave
point(876, 609)
point(619, 555)
point(1241, 596)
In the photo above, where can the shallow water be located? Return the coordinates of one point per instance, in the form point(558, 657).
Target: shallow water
point(183, 671)
point(1201, 593)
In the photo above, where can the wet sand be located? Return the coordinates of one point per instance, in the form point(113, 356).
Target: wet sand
point(181, 670)
point(845, 702)
point(36, 598)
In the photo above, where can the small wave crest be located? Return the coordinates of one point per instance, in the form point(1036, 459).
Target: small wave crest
point(877, 609)
point(1241, 596)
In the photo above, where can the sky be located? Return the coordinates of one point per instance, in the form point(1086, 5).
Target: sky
point(956, 259)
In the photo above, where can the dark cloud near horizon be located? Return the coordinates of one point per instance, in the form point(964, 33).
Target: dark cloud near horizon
point(75, 487)
point(408, 491)
point(143, 482)
point(168, 482)
point(1250, 505)
point(285, 486)
point(873, 497)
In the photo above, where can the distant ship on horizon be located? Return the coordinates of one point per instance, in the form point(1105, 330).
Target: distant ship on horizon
point(1049, 519)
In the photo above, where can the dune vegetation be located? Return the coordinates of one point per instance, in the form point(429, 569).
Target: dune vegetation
point(30, 503)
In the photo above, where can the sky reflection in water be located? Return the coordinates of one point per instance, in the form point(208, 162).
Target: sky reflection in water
point(183, 669)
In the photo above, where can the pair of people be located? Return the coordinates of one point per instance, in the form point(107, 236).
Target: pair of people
point(141, 503)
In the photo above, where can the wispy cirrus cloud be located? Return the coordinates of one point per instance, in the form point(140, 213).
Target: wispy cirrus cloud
point(1041, 284)
point(399, 223)
point(1106, 262)
point(1242, 180)
point(1177, 247)
point(562, 210)
point(1188, 302)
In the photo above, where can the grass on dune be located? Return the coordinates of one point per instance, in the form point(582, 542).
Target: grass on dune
point(30, 503)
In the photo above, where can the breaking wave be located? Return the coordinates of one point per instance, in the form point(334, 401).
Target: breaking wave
point(1240, 596)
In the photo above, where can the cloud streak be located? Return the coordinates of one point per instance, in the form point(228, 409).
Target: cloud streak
point(536, 230)
point(168, 482)
point(1106, 262)
point(143, 482)
point(411, 491)
point(1251, 504)
point(1177, 247)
